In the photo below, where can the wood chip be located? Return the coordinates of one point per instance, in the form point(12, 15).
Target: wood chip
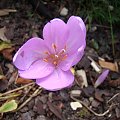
point(4, 12)
point(95, 66)
point(75, 105)
point(76, 93)
point(84, 78)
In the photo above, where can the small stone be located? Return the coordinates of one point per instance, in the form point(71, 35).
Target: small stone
point(41, 117)
point(26, 116)
point(64, 11)
point(76, 93)
point(75, 105)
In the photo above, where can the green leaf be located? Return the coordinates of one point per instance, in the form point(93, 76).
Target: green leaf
point(8, 106)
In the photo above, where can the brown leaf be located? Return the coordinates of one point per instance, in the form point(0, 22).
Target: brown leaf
point(23, 81)
point(7, 53)
point(55, 110)
point(109, 65)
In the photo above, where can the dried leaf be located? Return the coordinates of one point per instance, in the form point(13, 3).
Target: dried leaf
point(109, 65)
point(2, 34)
point(23, 81)
point(4, 12)
point(7, 53)
point(4, 45)
point(8, 106)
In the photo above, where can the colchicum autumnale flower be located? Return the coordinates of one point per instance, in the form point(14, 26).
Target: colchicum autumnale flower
point(49, 60)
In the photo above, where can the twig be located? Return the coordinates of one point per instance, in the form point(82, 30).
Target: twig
point(38, 91)
point(17, 89)
point(21, 100)
point(97, 114)
point(113, 97)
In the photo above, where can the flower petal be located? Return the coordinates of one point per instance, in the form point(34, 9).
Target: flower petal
point(57, 80)
point(101, 78)
point(79, 55)
point(77, 34)
point(37, 70)
point(32, 50)
point(55, 32)
point(72, 59)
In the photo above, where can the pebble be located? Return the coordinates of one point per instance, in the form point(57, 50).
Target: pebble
point(76, 93)
point(64, 12)
point(26, 116)
point(41, 117)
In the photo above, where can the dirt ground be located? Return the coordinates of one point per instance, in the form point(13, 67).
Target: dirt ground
point(101, 103)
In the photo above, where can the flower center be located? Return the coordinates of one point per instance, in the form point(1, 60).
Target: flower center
point(56, 58)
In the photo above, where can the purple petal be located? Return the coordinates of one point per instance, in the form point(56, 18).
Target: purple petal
point(37, 70)
point(72, 59)
point(32, 50)
point(101, 78)
point(55, 32)
point(66, 64)
point(79, 55)
point(77, 34)
point(57, 80)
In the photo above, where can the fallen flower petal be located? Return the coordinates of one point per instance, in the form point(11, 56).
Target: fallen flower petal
point(49, 60)
point(101, 78)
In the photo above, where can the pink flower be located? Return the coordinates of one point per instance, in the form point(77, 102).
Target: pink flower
point(49, 60)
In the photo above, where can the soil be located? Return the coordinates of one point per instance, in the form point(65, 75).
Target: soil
point(27, 22)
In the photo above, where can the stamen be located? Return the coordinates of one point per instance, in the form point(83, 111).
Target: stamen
point(54, 46)
point(46, 52)
point(64, 57)
point(55, 63)
point(45, 60)
point(56, 56)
